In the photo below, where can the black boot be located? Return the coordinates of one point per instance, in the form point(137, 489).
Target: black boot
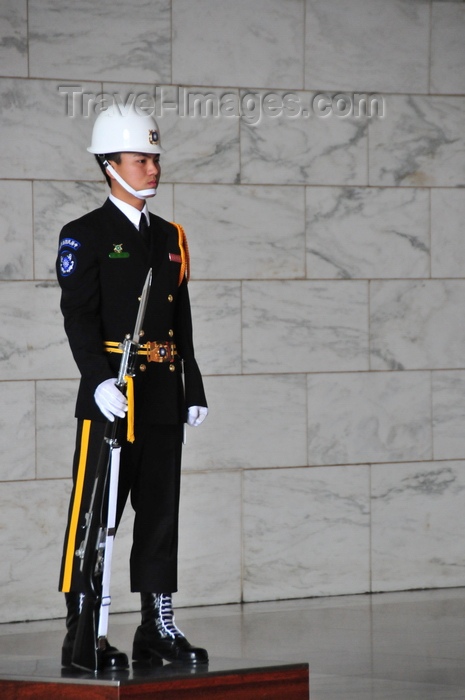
point(109, 658)
point(158, 637)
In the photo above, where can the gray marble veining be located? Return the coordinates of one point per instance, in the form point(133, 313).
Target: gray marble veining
point(447, 239)
point(17, 431)
point(238, 43)
point(447, 66)
point(367, 233)
point(305, 326)
point(243, 232)
point(417, 324)
point(299, 547)
point(448, 392)
point(376, 46)
point(13, 38)
point(16, 230)
point(72, 41)
point(33, 344)
point(420, 142)
point(303, 148)
point(59, 139)
point(369, 417)
point(416, 511)
point(271, 410)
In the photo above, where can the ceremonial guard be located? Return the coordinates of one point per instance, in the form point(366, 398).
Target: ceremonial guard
point(103, 260)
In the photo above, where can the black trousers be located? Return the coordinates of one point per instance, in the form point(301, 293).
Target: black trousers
point(150, 472)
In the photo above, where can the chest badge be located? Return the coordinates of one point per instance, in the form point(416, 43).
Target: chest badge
point(118, 251)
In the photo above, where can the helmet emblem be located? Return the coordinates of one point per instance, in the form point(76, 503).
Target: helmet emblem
point(153, 137)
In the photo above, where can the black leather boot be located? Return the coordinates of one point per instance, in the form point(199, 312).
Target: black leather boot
point(158, 637)
point(109, 658)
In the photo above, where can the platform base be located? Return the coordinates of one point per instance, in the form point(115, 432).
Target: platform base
point(223, 679)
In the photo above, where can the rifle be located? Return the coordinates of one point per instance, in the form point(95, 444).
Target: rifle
point(96, 549)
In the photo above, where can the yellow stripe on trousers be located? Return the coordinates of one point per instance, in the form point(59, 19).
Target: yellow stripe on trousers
point(71, 547)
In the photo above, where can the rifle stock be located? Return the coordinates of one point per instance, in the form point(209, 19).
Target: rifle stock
point(85, 648)
point(92, 549)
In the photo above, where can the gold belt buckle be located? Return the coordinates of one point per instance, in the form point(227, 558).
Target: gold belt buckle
point(160, 352)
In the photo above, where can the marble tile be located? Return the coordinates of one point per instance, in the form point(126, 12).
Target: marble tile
point(244, 231)
point(447, 49)
point(367, 232)
point(200, 141)
point(416, 511)
point(247, 426)
point(306, 532)
point(210, 539)
point(298, 147)
point(111, 40)
point(216, 313)
point(305, 326)
point(369, 417)
point(447, 240)
point(420, 142)
point(17, 431)
point(32, 520)
point(32, 338)
point(55, 204)
point(367, 45)
point(417, 325)
point(13, 38)
point(56, 427)
point(448, 390)
point(60, 137)
point(239, 43)
point(16, 230)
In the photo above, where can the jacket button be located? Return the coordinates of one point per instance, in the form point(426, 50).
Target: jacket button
point(172, 368)
point(170, 332)
point(142, 368)
point(170, 297)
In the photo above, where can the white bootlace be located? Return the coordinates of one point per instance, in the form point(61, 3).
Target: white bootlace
point(165, 619)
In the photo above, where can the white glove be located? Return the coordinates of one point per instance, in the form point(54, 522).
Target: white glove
point(110, 400)
point(196, 415)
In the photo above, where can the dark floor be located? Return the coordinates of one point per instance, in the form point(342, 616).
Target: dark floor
point(395, 646)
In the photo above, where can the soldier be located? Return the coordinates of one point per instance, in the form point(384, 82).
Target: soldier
point(103, 260)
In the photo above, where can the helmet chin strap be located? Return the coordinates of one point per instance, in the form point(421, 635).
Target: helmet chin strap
point(140, 194)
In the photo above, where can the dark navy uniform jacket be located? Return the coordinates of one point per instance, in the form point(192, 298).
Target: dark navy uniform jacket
point(101, 267)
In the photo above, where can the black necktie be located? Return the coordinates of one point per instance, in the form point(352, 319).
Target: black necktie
point(144, 229)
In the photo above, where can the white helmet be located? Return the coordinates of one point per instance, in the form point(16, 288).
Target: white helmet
point(124, 129)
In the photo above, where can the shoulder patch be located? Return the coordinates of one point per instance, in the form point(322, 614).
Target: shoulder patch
point(69, 243)
point(68, 263)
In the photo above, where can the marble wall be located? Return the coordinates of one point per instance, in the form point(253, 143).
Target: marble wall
point(315, 153)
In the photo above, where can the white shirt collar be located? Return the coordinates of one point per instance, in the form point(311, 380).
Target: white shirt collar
point(131, 212)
